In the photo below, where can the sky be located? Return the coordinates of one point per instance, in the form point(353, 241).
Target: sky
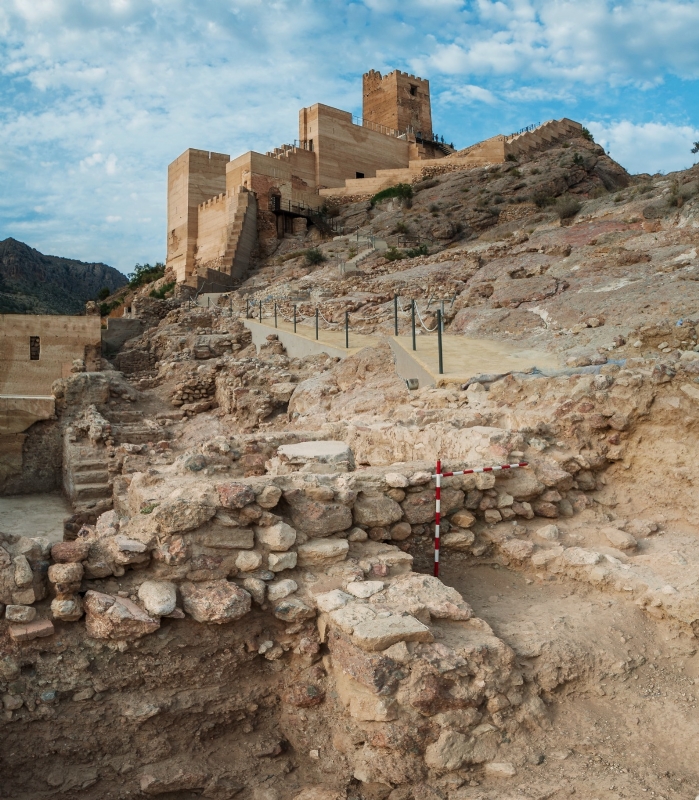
point(97, 97)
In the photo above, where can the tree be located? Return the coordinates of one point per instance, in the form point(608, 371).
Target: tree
point(103, 293)
point(695, 149)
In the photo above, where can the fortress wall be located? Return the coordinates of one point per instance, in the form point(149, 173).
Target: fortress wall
point(215, 218)
point(196, 176)
point(343, 149)
point(397, 100)
point(61, 341)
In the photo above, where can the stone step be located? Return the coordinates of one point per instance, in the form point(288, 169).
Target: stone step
point(86, 465)
point(92, 491)
point(91, 478)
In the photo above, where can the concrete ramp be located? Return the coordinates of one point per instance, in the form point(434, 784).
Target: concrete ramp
point(464, 358)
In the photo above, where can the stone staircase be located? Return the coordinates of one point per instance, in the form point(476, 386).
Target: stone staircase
point(547, 134)
point(235, 262)
point(89, 467)
point(86, 475)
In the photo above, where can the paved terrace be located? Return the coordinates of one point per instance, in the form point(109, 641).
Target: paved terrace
point(463, 357)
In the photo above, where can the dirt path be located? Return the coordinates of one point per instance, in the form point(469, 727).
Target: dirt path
point(620, 687)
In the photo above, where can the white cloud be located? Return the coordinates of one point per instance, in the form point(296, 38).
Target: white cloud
point(103, 94)
point(649, 147)
point(468, 94)
point(111, 219)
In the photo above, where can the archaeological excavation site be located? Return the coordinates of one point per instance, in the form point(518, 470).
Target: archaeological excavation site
point(218, 550)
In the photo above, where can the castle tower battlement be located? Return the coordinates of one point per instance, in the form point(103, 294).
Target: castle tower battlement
point(398, 100)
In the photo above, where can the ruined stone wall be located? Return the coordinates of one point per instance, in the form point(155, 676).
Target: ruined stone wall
point(30, 462)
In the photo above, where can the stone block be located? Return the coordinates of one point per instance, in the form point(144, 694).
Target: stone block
point(620, 539)
point(281, 589)
point(67, 609)
point(70, 552)
point(215, 601)
point(281, 561)
point(293, 609)
point(317, 518)
point(376, 511)
point(364, 589)
point(414, 593)
point(109, 617)
point(158, 597)
point(351, 615)
point(235, 495)
point(381, 632)
point(322, 552)
point(37, 629)
point(20, 613)
point(278, 537)
point(248, 560)
point(331, 601)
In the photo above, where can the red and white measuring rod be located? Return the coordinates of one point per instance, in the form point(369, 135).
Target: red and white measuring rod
point(438, 497)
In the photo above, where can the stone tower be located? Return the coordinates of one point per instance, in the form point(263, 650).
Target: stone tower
point(398, 101)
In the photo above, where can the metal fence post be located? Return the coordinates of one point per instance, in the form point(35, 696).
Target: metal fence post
point(260, 311)
point(439, 341)
point(275, 313)
point(347, 329)
point(294, 319)
point(395, 314)
point(442, 316)
point(412, 308)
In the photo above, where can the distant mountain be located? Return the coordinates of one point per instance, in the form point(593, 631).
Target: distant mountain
point(32, 283)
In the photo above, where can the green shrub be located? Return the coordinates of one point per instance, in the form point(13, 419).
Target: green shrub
point(393, 254)
point(535, 171)
point(404, 190)
point(543, 199)
point(567, 207)
point(159, 294)
point(414, 252)
point(511, 157)
point(314, 256)
point(401, 227)
point(587, 135)
point(515, 173)
point(578, 159)
point(103, 293)
point(107, 308)
point(145, 273)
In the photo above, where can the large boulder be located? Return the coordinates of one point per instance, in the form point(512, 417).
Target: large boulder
point(215, 601)
point(108, 617)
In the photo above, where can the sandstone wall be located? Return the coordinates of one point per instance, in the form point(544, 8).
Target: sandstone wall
point(62, 340)
point(196, 176)
point(343, 148)
point(397, 100)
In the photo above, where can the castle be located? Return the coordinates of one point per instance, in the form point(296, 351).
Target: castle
point(219, 210)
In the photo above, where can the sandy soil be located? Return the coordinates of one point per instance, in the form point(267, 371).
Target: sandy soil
point(624, 715)
point(34, 515)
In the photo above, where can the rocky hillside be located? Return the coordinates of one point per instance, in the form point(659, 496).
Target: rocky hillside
point(33, 283)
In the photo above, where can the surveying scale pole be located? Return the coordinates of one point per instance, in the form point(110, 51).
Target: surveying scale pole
point(439, 474)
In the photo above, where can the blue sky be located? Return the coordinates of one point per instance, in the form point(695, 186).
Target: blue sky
point(98, 96)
